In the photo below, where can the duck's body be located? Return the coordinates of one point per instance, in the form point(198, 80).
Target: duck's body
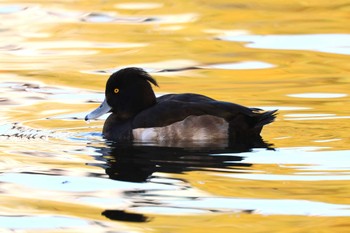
point(138, 115)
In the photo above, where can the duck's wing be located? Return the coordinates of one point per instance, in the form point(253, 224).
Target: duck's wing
point(174, 108)
point(186, 97)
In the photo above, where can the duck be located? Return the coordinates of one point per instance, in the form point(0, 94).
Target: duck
point(136, 114)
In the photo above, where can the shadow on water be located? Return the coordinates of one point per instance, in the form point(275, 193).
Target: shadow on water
point(133, 162)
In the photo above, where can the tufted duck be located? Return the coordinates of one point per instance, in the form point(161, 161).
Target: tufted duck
point(138, 115)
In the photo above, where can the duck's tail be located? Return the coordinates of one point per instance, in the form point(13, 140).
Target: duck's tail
point(247, 134)
point(265, 118)
point(249, 126)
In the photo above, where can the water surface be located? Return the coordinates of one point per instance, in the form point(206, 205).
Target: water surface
point(59, 175)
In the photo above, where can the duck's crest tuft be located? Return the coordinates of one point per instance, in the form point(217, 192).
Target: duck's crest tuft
point(135, 71)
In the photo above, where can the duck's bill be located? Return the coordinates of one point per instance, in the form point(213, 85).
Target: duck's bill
point(102, 109)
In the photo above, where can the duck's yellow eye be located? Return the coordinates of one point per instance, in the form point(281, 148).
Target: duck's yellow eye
point(116, 90)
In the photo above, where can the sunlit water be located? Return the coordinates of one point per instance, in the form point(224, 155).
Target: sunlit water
point(59, 175)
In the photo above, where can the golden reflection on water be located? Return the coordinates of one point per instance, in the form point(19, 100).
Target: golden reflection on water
point(55, 59)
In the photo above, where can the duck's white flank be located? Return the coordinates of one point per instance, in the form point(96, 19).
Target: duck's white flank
point(196, 128)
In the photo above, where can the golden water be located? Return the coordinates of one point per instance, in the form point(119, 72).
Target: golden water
point(55, 57)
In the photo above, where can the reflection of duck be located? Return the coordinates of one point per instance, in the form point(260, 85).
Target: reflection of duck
point(136, 163)
point(138, 115)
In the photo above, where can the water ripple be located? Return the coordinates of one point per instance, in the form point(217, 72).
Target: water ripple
point(327, 43)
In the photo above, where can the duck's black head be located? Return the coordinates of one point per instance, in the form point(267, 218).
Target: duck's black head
point(129, 91)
